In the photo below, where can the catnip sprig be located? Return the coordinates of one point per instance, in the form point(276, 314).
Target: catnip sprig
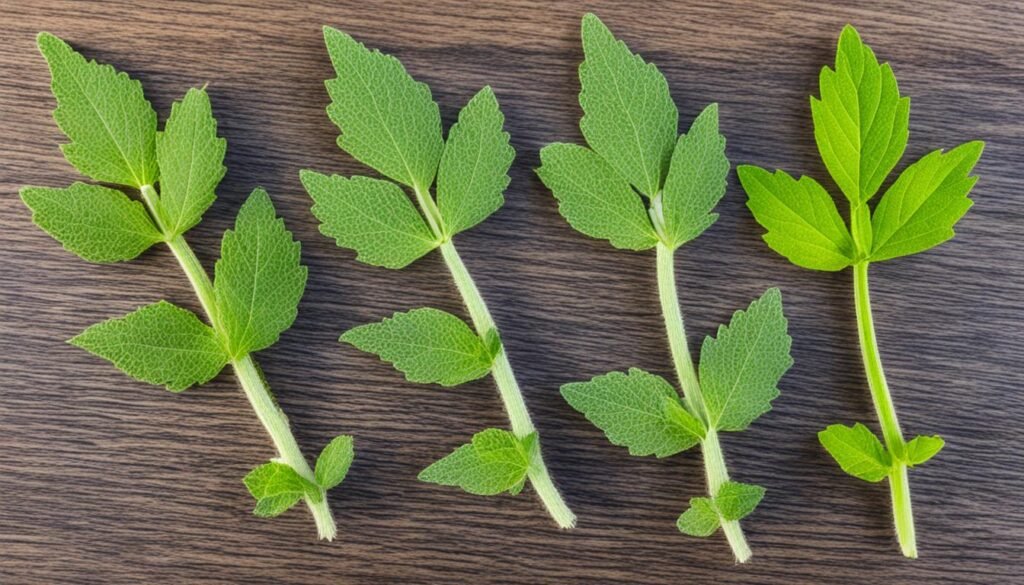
point(861, 126)
point(640, 185)
point(258, 280)
point(390, 122)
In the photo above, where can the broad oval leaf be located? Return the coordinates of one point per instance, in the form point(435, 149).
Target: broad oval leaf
point(700, 519)
point(736, 500)
point(858, 451)
point(494, 462)
point(333, 463)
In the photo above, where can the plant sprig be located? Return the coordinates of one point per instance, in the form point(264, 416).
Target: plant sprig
point(258, 281)
point(390, 122)
point(640, 185)
point(861, 126)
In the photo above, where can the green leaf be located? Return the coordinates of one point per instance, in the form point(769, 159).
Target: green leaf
point(277, 487)
point(700, 519)
point(696, 179)
point(496, 461)
point(801, 218)
point(259, 280)
point(858, 451)
point(677, 414)
point(191, 158)
point(373, 217)
point(594, 198)
point(740, 369)
point(104, 113)
point(861, 122)
point(474, 166)
point(629, 117)
point(920, 209)
point(159, 344)
point(333, 463)
point(97, 223)
point(736, 501)
point(922, 448)
point(427, 345)
point(388, 120)
point(273, 506)
point(631, 410)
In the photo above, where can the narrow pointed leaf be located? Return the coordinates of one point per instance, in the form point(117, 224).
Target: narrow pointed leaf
point(630, 409)
point(160, 344)
point(594, 198)
point(696, 179)
point(494, 462)
point(922, 448)
point(333, 463)
point(474, 166)
point(97, 223)
point(373, 217)
point(629, 117)
point(861, 122)
point(427, 345)
point(741, 367)
point(858, 451)
point(802, 220)
point(388, 120)
point(736, 500)
point(191, 158)
point(104, 113)
point(920, 209)
point(259, 280)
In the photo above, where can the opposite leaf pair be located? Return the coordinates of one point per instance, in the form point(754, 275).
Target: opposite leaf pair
point(390, 122)
point(258, 280)
point(639, 186)
point(861, 126)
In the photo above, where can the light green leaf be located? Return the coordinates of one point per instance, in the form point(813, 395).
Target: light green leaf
point(696, 179)
point(594, 198)
point(427, 345)
point(861, 122)
point(273, 506)
point(333, 463)
point(700, 519)
point(920, 209)
point(677, 414)
point(801, 218)
point(191, 158)
point(373, 217)
point(104, 113)
point(631, 410)
point(259, 280)
point(474, 167)
point(388, 120)
point(159, 344)
point(281, 485)
point(97, 223)
point(629, 117)
point(740, 369)
point(495, 462)
point(922, 448)
point(736, 500)
point(858, 451)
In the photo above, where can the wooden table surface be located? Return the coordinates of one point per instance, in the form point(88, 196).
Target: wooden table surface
point(106, 480)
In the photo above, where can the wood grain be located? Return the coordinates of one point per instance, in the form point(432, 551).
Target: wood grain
point(106, 480)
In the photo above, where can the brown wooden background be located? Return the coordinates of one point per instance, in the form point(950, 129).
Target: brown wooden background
point(105, 480)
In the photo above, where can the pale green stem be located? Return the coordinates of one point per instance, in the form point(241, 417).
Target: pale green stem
point(248, 373)
point(714, 460)
point(511, 396)
point(899, 487)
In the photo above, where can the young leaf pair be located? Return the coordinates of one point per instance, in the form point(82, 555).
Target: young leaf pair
point(641, 185)
point(390, 122)
point(861, 126)
point(257, 283)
